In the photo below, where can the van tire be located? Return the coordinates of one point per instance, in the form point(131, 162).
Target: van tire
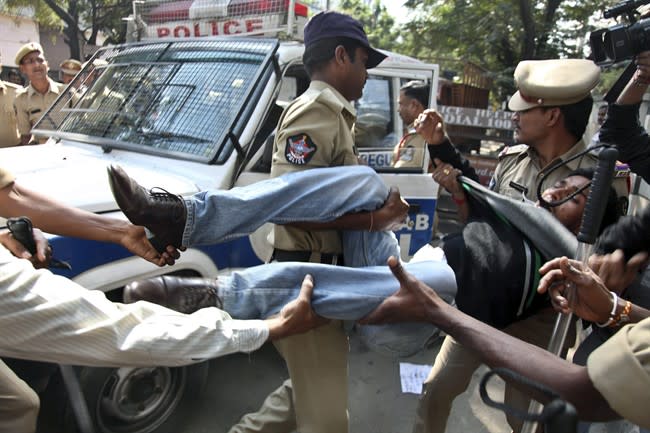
point(121, 400)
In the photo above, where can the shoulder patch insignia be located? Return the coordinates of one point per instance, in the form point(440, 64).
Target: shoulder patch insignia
point(300, 149)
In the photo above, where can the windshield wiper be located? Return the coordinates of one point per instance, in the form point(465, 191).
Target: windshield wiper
point(168, 135)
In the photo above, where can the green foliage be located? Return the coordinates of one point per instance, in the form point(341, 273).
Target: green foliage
point(497, 34)
point(378, 23)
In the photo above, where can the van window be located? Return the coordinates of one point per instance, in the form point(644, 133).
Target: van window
point(374, 126)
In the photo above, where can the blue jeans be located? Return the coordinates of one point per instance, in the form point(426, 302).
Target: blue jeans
point(340, 293)
point(316, 195)
point(344, 293)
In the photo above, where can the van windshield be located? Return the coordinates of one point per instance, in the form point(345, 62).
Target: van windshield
point(183, 98)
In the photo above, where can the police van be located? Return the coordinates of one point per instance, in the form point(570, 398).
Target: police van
point(192, 104)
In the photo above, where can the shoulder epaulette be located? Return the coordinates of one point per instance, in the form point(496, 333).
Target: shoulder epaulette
point(327, 98)
point(16, 87)
point(513, 150)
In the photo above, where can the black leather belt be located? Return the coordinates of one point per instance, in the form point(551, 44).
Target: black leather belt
point(305, 256)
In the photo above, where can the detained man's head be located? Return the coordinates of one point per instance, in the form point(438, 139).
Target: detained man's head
point(570, 212)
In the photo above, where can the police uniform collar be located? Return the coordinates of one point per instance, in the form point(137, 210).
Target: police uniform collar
point(577, 148)
point(53, 87)
point(572, 165)
point(322, 85)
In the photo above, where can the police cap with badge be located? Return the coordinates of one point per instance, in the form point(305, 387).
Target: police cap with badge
point(70, 66)
point(26, 49)
point(552, 83)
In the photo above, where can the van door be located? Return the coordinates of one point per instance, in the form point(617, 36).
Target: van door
point(379, 129)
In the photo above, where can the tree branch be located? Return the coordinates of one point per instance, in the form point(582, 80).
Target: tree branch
point(528, 23)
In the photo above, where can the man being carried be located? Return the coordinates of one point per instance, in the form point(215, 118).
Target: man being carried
point(493, 262)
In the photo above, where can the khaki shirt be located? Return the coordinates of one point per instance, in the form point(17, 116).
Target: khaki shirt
point(410, 151)
point(8, 131)
point(315, 130)
point(5, 178)
point(31, 105)
point(521, 164)
point(620, 371)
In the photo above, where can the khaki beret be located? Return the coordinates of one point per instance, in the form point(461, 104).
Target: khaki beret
point(551, 83)
point(70, 66)
point(26, 49)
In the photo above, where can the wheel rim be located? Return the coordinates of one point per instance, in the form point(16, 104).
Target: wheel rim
point(139, 400)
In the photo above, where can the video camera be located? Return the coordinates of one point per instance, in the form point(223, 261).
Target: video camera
point(622, 41)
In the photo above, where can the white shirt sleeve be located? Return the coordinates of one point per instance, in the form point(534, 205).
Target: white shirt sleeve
point(50, 318)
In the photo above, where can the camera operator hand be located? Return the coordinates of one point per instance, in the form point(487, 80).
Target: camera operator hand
point(637, 86)
point(643, 65)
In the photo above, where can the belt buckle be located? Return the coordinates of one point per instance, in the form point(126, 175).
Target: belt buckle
point(329, 259)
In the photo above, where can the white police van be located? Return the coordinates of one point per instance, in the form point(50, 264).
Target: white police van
point(189, 113)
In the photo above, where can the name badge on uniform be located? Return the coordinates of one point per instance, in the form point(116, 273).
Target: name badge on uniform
point(300, 149)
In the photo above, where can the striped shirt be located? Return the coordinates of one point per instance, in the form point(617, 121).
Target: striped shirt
point(47, 317)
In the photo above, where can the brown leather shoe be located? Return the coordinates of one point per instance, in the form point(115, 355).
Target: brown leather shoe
point(183, 294)
point(164, 214)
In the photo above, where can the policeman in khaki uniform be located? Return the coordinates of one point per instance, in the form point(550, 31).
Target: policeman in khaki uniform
point(551, 110)
point(8, 131)
point(522, 167)
point(316, 130)
point(32, 101)
point(544, 87)
point(413, 99)
point(68, 69)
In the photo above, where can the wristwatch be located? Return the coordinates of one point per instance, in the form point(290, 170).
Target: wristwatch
point(624, 316)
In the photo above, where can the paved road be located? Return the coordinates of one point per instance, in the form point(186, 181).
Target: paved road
point(239, 383)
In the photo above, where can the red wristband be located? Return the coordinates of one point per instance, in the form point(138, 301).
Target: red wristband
point(458, 201)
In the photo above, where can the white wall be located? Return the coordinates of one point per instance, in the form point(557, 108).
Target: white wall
point(15, 32)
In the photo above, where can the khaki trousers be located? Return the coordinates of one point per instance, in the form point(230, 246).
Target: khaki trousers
point(19, 404)
point(454, 365)
point(315, 399)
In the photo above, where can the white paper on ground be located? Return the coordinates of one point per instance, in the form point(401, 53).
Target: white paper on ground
point(412, 376)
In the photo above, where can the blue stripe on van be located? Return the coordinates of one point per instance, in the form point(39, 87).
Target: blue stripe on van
point(84, 255)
